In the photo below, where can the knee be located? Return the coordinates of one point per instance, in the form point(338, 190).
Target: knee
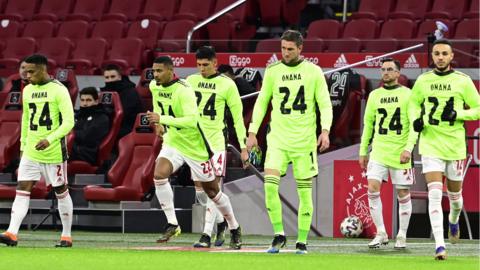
point(374, 186)
point(211, 192)
point(160, 174)
point(25, 185)
point(402, 193)
point(60, 189)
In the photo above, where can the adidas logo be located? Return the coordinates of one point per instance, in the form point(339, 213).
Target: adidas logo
point(272, 59)
point(411, 62)
point(341, 61)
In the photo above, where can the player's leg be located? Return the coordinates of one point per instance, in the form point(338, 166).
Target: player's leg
point(276, 163)
point(403, 179)
point(56, 175)
point(212, 214)
point(168, 161)
point(455, 171)
point(222, 202)
point(305, 167)
point(433, 168)
point(376, 173)
point(28, 175)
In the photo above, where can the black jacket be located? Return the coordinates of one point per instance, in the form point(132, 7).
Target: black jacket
point(92, 124)
point(131, 102)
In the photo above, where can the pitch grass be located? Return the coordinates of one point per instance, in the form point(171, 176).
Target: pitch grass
point(105, 251)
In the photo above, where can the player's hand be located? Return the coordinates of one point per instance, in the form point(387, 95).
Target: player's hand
point(42, 145)
point(405, 157)
point(449, 114)
point(244, 157)
point(251, 141)
point(159, 130)
point(323, 141)
point(153, 117)
point(363, 161)
point(418, 124)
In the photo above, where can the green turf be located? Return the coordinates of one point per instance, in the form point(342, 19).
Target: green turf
point(105, 251)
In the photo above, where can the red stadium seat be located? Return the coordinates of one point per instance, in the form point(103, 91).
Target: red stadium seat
point(398, 28)
point(468, 29)
point(57, 50)
point(447, 9)
point(144, 90)
point(174, 36)
point(74, 30)
point(9, 29)
point(10, 126)
point(15, 50)
point(8, 85)
point(126, 53)
point(88, 10)
point(291, 10)
point(39, 191)
point(194, 10)
point(325, 29)
point(383, 45)
point(110, 100)
point(268, 45)
point(88, 56)
point(429, 26)
point(67, 77)
point(410, 9)
point(344, 45)
point(231, 26)
point(54, 10)
point(3, 3)
point(109, 30)
point(20, 10)
point(132, 173)
point(148, 31)
point(159, 11)
point(314, 45)
point(361, 28)
point(473, 11)
point(123, 10)
point(373, 9)
point(39, 29)
point(270, 12)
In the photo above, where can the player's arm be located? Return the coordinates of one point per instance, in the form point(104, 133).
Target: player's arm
point(472, 99)
point(234, 103)
point(186, 100)
point(368, 120)
point(261, 104)
point(322, 97)
point(412, 134)
point(25, 124)
point(415, 115)
point(65, 107)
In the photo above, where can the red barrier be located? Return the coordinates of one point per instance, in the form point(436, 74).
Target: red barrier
point(350, 198)
point(325, 60)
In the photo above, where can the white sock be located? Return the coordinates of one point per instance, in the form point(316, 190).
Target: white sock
point(19, 211)
point(218, 216)
point(210, 216)
point(404, 213)
point(223, 204)
point(456, 204)
point(202, 197)
point(435, 212)
point(375, 203)
point(65, 207)
point(164, 193)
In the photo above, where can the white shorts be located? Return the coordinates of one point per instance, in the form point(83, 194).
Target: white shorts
point(55, 174)
point(452, 169)
point(219, 162)
point(400, 177)
point(201, 171)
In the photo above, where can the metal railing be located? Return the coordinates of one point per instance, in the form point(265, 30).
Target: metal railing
point(209, 19)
